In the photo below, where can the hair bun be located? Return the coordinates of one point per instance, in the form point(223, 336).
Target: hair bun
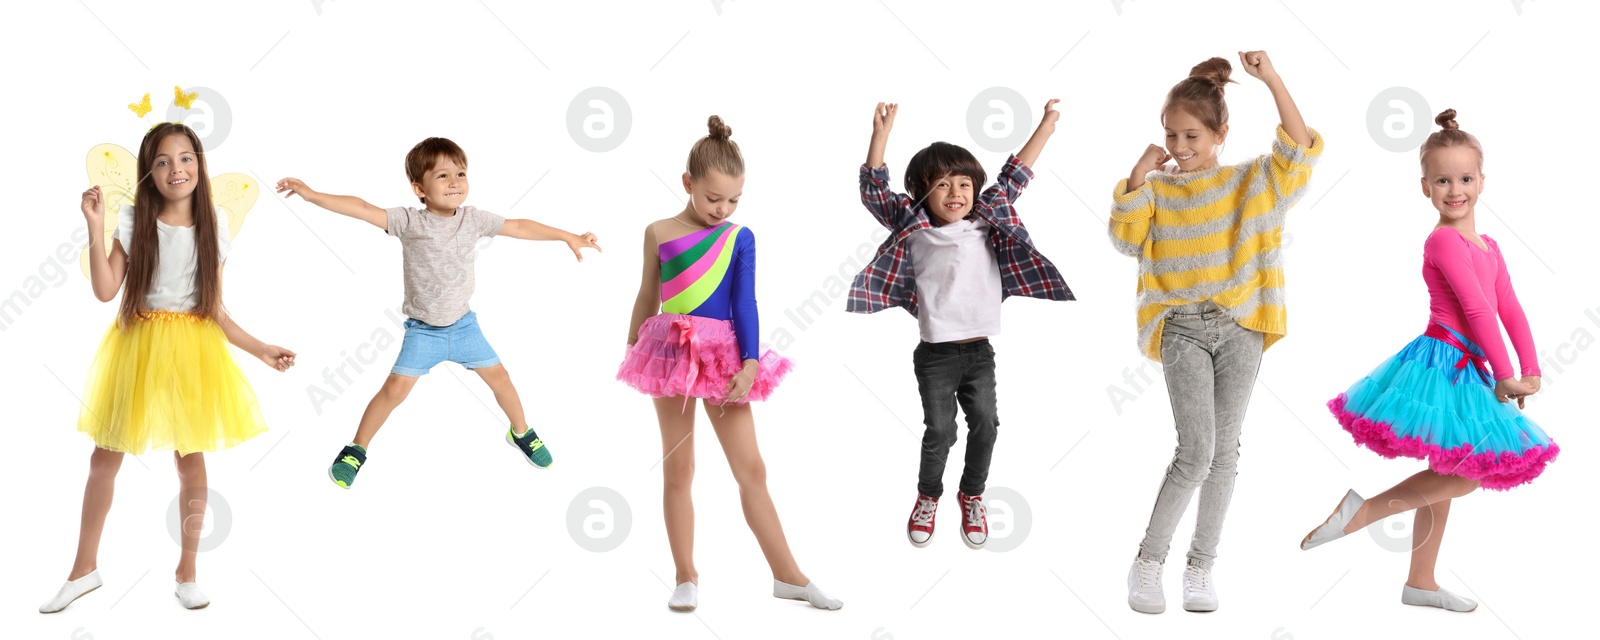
point(1447, 120)
point(718, 129)
point(1214, 71)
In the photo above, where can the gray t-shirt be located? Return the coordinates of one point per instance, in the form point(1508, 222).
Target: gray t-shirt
point(438, 252)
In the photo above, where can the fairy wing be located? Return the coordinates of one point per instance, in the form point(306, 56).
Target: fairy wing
point(113, 169)
point(236, 193)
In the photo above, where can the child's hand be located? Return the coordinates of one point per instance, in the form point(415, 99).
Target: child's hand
point(1532, 382)
point(1154, 157)
point(883, 118)
point(739, 386)
point(294, 187)
point(94, 207)
point(1048, 122)
point(1511, 389)
point(1257, 65)
point(585, 241)
point(276, 357)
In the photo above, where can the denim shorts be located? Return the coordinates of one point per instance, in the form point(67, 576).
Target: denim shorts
point(426, 345)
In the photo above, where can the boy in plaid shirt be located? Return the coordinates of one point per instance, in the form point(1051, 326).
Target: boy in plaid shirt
point(952, 258)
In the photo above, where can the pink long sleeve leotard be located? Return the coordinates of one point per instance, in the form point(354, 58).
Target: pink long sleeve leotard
point(1467, 288)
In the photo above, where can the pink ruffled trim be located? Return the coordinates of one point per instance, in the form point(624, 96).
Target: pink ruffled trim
point(1492, 471)
point(659, 364)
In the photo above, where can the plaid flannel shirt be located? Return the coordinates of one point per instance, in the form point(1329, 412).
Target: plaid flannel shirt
point(889, 281)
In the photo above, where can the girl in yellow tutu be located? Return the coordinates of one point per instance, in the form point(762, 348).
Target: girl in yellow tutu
point(163, 378)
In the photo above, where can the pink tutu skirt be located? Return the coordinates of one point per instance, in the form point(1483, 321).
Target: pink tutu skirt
point(681, 355)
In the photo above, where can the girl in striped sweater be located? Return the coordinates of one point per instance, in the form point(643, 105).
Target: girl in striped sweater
point(1210, 298)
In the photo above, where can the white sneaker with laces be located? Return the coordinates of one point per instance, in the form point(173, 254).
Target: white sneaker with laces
point(71, 591)
point(1144, 587)
point(685, 598)
point(190, 596)
point(919, 529)
point(810, 593)
point(1199, 594)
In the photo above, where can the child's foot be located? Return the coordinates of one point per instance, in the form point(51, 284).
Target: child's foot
point(684, 598)
point(1441, 599)
point(71, 591)
point(1333, 528)
point(1199, 594)
point(810, 593)
point(1144, 587)
point(190, 596)
point(974, 520)
point(920, 527)
point(531, 447)
point(344, 468)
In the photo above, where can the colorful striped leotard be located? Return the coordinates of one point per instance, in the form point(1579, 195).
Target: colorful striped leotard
point(712, 274)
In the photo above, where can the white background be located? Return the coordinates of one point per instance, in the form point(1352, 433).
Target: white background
point(449, 535)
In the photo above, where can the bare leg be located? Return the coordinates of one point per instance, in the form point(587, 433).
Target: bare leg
point(1426, 534)
point(97, 493)
point(191, 510)
point(505, 394)
point(677, 474)
point(395, 389)
point(1420, 490)
point(736, 430)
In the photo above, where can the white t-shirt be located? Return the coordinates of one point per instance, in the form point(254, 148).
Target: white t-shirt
point(958, 281)
point(173, 287)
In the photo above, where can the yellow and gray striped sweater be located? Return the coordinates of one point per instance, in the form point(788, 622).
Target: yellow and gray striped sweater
point(1213, 235)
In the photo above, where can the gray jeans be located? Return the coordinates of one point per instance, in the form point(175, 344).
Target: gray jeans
point(1210, 364)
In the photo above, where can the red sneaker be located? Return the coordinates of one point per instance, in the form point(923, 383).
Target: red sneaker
point(974, 520)
point(920, 527)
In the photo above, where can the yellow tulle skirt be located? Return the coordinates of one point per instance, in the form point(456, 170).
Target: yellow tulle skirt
point(168, 383)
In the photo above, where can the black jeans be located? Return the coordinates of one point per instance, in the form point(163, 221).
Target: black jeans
point(948, 374)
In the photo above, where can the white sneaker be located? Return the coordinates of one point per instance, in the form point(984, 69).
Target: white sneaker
point(685, 598)
point(190, 596)
point(1144, 587)
point(1199, 594)
point(72, 590)
point(1333, 528)
point(1441, 599)
point(810, 593)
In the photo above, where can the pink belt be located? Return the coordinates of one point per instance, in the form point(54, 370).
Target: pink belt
point(1439, 332)
point(688, 340)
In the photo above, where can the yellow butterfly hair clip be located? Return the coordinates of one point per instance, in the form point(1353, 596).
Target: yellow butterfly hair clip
point(142, 107)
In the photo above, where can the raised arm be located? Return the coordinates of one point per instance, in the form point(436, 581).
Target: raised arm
point(648, 303)
point(343, 205)
point(1132, 204)
point(106, 272)
point(524, 229)
point(882, 122)
point(1260, 67)
point(1047, 127)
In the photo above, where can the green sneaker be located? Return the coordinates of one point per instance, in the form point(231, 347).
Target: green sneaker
point(344, 468)
point(531, 446)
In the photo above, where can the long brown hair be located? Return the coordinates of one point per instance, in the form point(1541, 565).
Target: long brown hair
point(144, 255)
point(1200, 94)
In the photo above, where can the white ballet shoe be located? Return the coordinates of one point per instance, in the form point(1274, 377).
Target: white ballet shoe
point(1441, 599)
point(190, 596)
point(684, 598)
point(71, 591)
point(810, 593)
point(1333, 529)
